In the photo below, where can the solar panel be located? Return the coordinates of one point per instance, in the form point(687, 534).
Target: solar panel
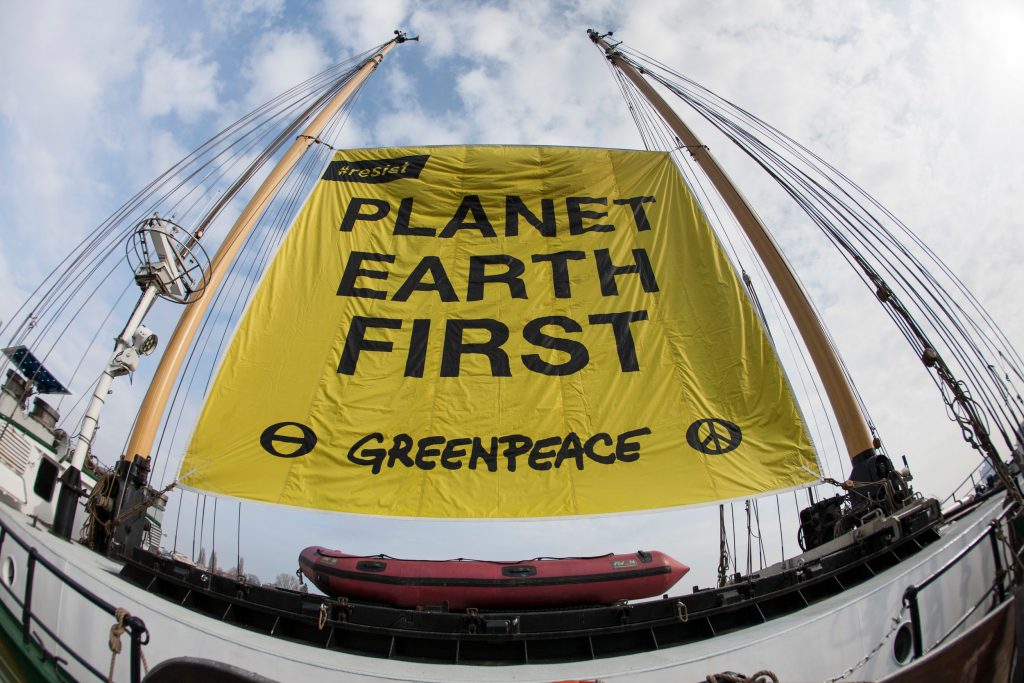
point(33, 370)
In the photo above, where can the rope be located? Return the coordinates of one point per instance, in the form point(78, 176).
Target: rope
point(93, 505)
point(100, 490)
point(323, 616)
point(146, 502)
point(763, 676)
point(315, 140)
point(114, 642)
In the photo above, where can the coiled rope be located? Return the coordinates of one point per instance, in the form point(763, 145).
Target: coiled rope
point(764, 676)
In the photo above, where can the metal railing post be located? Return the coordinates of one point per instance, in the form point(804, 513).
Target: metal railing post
point(136, 629)
point(136, 650)
point(26, 606)
point(998, 559)
point(910, 600)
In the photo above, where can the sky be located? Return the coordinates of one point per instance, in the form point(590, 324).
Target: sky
point(917, 101)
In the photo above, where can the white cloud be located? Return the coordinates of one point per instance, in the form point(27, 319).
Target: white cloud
point(15, 290)
point(62, 100)
point(525, 74)
point(60, 55)
point(227, 15)
point(186, 86)
point(411, 127)
point(358, 26)
point(280, 60)
point(163, 151)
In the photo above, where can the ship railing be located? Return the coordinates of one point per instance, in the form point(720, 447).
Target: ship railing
point(135, 627)
point(1006, 560)
point(979, 480)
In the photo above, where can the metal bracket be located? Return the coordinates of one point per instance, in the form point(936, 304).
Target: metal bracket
point(473, 620)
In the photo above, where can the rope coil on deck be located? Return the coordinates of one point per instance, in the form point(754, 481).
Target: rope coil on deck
point(764, 676)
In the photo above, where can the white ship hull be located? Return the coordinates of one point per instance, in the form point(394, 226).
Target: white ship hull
point(812, 644)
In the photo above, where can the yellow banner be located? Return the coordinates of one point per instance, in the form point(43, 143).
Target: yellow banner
point(499, 332)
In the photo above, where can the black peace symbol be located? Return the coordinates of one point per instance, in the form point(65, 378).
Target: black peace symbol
point(272, 436)
point(713, 436)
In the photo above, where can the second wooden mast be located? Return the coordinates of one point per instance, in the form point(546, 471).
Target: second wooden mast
point(852, 424)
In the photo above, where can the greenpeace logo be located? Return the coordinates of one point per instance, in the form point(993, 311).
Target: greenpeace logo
point(376, 170)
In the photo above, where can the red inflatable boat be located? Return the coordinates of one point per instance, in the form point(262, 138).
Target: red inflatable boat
point(555, 582)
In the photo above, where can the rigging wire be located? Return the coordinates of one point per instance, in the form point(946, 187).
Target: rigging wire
point(735, 548)
point(932, 308)
point(195, 522)
point(213, 537)
point(64, 288)
point(723, 548)
point(241, 280)
point(177, 523)
point(762, 558)
point(782, 536)
point(202, 526)
point(238, 544)
point(99, 329)
point(750, 557)
point(243, 275)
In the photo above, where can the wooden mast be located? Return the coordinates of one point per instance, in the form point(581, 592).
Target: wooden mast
point(852, 424)
point(144, 433)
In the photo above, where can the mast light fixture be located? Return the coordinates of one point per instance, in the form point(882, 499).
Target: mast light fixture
point(144, 340)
